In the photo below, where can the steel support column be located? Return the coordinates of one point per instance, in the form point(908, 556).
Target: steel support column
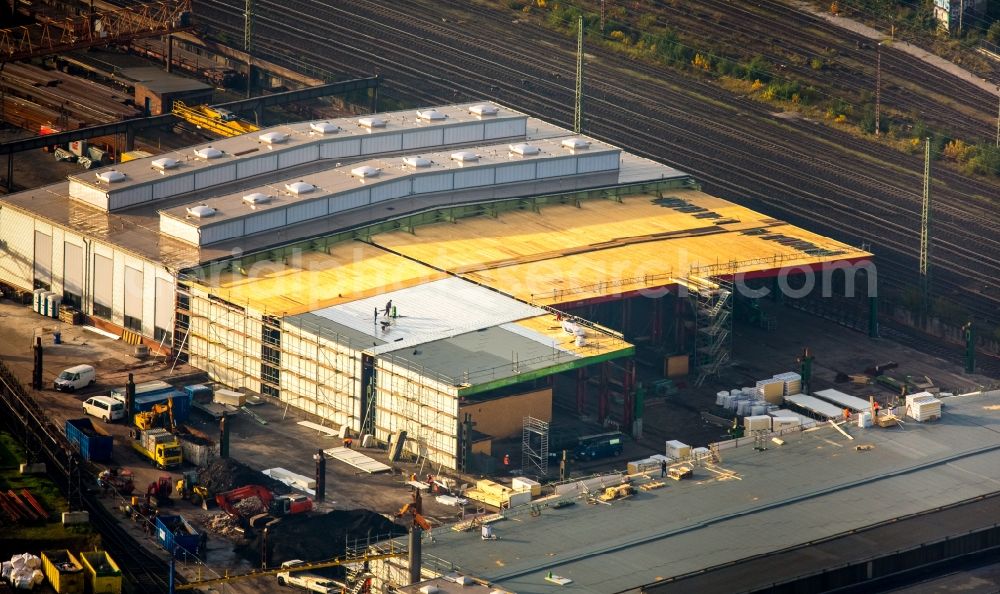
point(628, 387)
point(626, 317)
point(602, 396)
point(656, 336)
point(581, 390)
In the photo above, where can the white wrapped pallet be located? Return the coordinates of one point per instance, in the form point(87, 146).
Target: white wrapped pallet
point(677, 450)
point(757, 423)
point(911, 397)
point(758, 409)
point(865, 419)
point(720, 397)
point(924, 408)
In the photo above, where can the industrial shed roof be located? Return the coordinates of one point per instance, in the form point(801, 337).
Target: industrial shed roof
point(248, 146)
point(339, 184)
point(813, 487)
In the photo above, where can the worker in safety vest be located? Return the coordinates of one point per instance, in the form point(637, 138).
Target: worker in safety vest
point(847, 414)
point(506, 459)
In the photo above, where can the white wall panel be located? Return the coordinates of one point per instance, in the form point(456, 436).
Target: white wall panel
point(505, 128)
point(220, 232)
point(17, 248)
point(347, 147)
point(130, 197)
point(89, 194)
point(308, 210)
point(256, 166)
point(103, 278)
point(464, 133)
point(603, 162)
point(297, 156)
point(556, 167)
point(263, 221)
point(471, 178)
point(214, 176)
point(73, 268)
point(172, 186)
point(391, 190)
point(133, 292)
point(437, 182)
point(515, 173)
point(423, 138)
point(179, 229)
point(43, 258)
point(163, 315)
point(349, 200)
point(381, 143)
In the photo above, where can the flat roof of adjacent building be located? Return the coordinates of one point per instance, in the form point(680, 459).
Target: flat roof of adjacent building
point(157, 80)
point(815, 486)
point(461, 333)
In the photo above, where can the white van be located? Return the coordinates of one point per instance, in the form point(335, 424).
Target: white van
point(75, 378)
point(105, 408)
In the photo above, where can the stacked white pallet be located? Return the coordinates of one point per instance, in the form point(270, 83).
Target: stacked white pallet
point(924, 408)
point(757, 423)
point(792, 382)
point(771, 390)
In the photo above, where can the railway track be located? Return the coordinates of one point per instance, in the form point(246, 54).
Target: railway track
point(796, 37)
point(711, 141)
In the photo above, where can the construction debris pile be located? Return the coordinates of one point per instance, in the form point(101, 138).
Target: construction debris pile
point(226, 474)
point(249, 507)
point(225, 525)
point(321, 536)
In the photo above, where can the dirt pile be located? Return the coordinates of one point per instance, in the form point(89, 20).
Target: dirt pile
point(226, 474)
point(314, 537)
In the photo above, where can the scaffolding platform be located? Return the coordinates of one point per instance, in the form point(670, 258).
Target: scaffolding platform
point(357, 460)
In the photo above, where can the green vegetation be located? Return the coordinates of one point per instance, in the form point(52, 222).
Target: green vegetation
point(47, 494)
point(641, 35)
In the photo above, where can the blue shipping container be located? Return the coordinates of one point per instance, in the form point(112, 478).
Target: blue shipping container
point(196, 390)
point(174, 533)
point(92, 442)
point(182, 403)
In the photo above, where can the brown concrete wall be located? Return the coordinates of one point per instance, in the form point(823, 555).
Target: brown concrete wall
point(503, 417)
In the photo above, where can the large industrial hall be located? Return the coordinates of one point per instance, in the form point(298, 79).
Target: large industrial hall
point(408, 271)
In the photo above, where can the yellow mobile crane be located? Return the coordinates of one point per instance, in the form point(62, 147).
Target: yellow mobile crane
point(214, 119)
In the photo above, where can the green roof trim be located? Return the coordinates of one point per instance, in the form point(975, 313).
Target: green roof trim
point(547, 371)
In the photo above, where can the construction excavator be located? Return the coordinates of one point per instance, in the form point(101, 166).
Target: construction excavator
point(413, 511)
point(149, 418)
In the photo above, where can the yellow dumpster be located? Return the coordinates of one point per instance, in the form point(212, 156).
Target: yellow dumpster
point(63, 571)
point(103, 575)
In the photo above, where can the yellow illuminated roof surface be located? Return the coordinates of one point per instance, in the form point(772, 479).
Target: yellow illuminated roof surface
point(603, 248)
point(315, 280)
point(562, 254)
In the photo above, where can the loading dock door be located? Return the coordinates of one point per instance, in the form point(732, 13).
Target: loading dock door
point(43, 260)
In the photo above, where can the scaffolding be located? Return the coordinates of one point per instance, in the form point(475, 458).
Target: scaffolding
point(535, 446)
point(712, 303)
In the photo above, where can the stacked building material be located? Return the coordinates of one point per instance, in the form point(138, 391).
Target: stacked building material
point(792, 382)
point(923, 407)
point(757, 423)
point(772, 390)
